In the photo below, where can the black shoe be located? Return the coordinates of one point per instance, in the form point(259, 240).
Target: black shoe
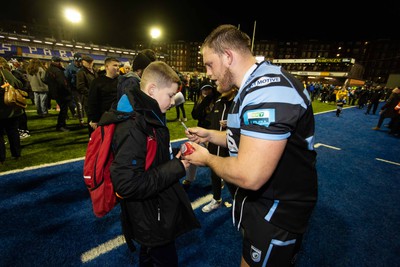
point(62, 129)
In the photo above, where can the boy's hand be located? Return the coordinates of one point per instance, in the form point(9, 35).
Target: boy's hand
point(185, 162)
point(93, 125)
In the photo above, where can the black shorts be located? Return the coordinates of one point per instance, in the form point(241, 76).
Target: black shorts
point(264, 244)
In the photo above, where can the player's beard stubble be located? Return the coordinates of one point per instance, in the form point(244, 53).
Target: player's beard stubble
point(226, 82)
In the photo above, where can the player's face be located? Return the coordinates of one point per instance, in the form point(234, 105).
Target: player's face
point(217, 70)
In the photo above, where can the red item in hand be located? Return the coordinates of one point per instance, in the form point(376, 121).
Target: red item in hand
point(187, 148)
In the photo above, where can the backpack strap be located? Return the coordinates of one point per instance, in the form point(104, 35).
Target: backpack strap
point(151, 149)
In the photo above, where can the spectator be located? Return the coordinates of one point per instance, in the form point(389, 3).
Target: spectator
point(155, 209)
point(9, 116)
point(311, 90)
point(194, 86)
point(84, 78)
point(201, 112)
point(70, 73)
point(19, 72)
point(182, 89)
point(126, 67)
point(341, 96)
point(18, 69)
point(102, 92)
point(204, 104)
point(362, 98)
point(374, 99)
point(395, 125)
point(388, 109)
point(36, 76)
point(131, 79)
point(218, 120)
point(59, 90)
point(270, 137)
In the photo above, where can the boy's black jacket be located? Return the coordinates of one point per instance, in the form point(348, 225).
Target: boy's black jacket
point(155, 207)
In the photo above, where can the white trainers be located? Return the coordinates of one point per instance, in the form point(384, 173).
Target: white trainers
point(23, 135)
point(214, 204)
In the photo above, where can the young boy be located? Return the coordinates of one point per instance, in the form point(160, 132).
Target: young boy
point(155, 209)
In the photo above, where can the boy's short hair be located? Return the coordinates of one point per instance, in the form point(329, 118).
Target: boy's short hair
point(160, 73)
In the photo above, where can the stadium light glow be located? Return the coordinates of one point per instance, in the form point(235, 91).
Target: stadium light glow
point(73, 15)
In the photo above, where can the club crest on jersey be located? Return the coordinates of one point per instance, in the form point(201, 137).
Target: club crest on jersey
point(255, 254)
point(265, 80)
point(261, 117)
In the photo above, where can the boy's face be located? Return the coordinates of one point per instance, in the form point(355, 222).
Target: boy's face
point(164, 96)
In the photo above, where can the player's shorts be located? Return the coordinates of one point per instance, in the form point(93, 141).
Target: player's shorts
point(264, 244)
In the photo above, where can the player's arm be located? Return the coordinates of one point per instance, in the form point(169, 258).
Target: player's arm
point(253, 166)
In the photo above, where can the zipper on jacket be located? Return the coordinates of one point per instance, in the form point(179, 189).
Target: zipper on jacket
point(158, 213)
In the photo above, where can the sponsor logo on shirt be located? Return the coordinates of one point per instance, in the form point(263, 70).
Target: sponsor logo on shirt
point(262, 81)
point(261, 117)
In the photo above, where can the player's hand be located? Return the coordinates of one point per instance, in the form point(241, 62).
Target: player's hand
point(199, 156)
point(197, 135)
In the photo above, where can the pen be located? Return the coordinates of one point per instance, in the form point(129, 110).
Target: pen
point(184, 125)
point(186, 128)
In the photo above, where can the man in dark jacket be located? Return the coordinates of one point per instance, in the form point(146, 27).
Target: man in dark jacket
point(155, 209)
point(59, 90)
point(84, 78)
point(102, 93)
point(374, 100)
point(388, 109)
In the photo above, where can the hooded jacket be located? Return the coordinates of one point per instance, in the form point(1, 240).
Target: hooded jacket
point(155, 209)
point(57, 83)
point(127, 82)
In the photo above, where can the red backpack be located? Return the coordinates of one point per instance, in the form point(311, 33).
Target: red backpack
point(96, 168)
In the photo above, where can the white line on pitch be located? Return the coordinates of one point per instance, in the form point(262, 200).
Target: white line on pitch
point(332, 147)
point(120, 240)
point(387, 161)
point(42, 166)
point(102, 249)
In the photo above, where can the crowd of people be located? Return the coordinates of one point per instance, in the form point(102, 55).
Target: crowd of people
point(262, 150)
point(79, 90)
point(368, 97)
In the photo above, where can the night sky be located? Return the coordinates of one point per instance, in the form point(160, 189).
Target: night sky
point(122, 23)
